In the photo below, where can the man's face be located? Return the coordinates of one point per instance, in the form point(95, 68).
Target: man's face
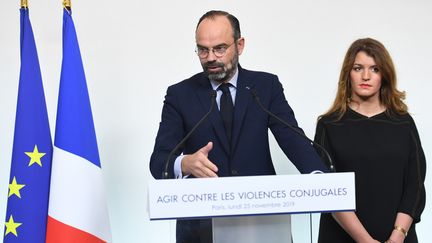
point(214, 36)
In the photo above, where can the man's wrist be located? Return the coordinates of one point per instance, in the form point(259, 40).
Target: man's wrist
point(177, 167)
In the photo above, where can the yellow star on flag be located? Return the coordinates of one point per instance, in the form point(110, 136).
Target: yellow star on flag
point(14, 188)
point(11, 226)
point(35, 156)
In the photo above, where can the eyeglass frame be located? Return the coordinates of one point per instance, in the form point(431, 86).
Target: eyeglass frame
point(222, 47)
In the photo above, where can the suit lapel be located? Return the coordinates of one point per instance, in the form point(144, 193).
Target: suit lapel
point(204, 93)
point(243, 97)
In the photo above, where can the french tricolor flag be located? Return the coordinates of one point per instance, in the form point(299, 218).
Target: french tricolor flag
point(77, 205)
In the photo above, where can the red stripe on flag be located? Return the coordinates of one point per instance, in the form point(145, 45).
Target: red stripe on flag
point(58, 232)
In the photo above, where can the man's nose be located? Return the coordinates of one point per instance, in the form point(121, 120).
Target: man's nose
point(211, 56)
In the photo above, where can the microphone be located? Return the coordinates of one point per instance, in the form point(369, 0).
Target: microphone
point(257, 99)
point(181, 143)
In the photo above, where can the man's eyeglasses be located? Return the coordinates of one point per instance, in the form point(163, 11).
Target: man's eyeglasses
point(218, 51)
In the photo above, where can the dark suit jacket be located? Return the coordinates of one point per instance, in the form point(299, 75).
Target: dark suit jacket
point(187, 102)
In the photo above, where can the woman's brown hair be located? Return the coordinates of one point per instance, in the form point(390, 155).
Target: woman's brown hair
point(390, 97)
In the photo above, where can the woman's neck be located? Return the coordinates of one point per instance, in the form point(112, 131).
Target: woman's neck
point(367, 108)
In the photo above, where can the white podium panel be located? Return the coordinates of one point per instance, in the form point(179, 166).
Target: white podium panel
point(252, 229)
point(250, 195)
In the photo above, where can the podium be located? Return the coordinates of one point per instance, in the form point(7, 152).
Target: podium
point(251, 208)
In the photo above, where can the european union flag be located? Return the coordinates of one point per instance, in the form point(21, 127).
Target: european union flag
point(28, 195)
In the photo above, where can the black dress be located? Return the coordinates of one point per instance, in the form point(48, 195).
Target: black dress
point(389, 164)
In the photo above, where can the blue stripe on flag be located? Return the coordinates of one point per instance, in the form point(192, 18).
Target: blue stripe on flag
point(74, 126)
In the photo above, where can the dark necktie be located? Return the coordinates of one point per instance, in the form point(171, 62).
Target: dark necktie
point(226, 109)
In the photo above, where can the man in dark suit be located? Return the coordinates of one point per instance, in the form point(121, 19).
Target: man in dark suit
point(233, 141)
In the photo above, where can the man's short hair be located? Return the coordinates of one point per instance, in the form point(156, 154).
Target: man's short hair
point(235, 24)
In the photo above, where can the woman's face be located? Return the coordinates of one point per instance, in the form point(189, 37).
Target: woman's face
point(365, 78)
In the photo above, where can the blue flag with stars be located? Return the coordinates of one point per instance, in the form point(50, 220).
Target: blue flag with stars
point(27, 205)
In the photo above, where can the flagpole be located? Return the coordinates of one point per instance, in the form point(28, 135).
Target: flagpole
point(24, 4)
point(67, 4)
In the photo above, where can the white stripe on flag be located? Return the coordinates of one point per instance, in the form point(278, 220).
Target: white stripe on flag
point(77, 197)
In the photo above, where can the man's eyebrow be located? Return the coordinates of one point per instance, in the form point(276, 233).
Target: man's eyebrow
point(218, 45)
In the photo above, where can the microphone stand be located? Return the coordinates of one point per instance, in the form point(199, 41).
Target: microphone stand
point(256, 97)
point(165, 173)
point(331, 165)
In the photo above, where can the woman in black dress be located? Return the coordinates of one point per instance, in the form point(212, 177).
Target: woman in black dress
point(369, 131)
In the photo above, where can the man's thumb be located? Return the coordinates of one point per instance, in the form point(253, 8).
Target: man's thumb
point(206, 149)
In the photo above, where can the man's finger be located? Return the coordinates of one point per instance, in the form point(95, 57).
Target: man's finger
point(206, 149)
